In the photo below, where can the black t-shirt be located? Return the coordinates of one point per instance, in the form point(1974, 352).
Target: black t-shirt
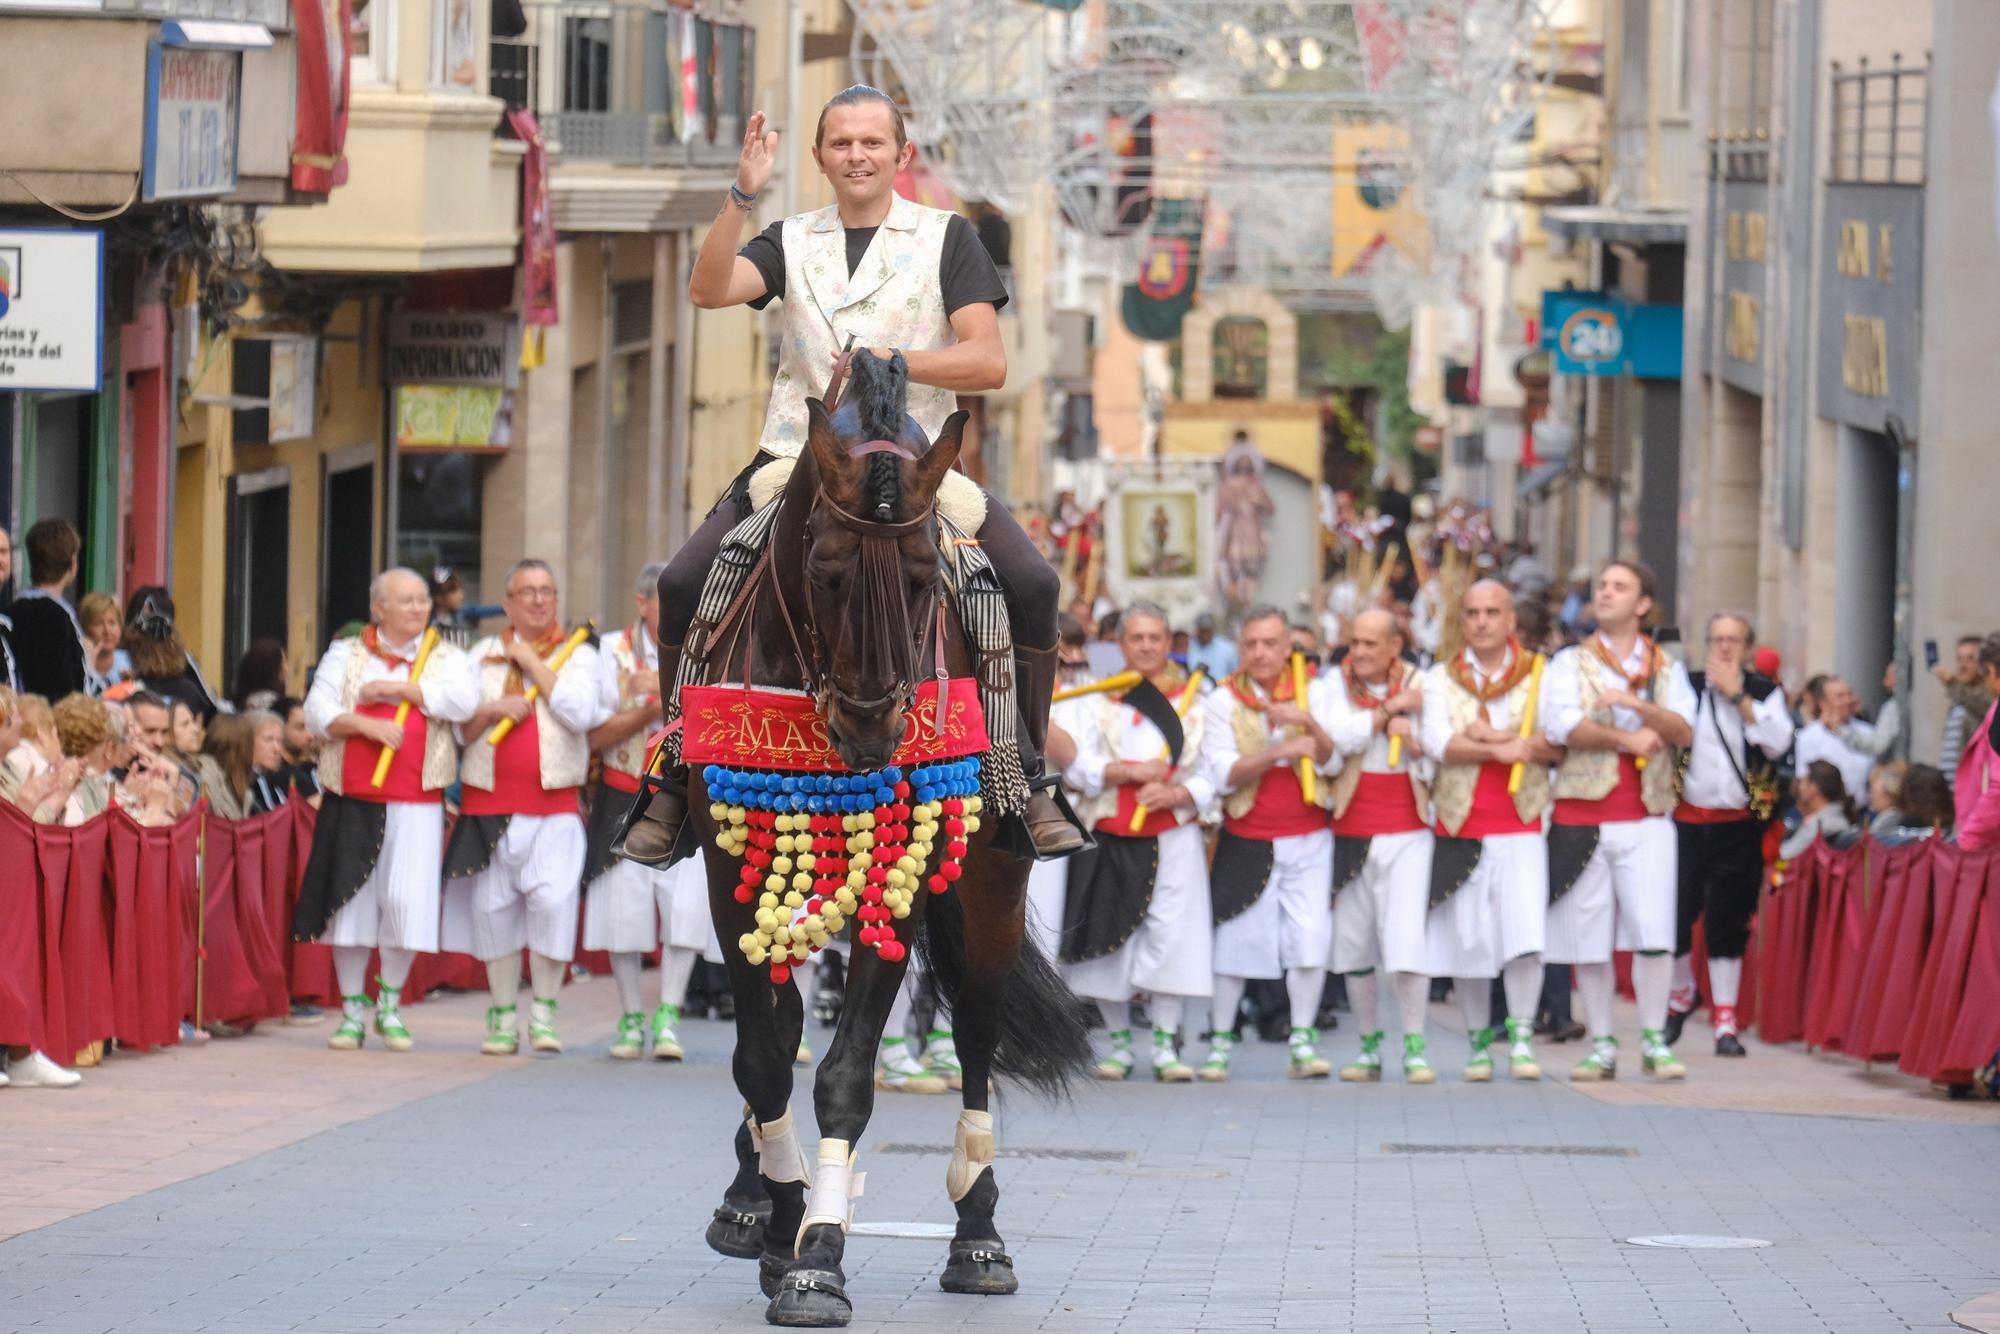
point(965, 271)
point(48, 653)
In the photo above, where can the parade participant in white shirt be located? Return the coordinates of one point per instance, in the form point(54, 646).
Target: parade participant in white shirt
point(1137, 914)
point(1490, 872)
point(372, 880)
point(516, 854)
point(1382, 839)
point(1274, 859)
point(1620, 708)
point(628, 909)
point(1741, 729)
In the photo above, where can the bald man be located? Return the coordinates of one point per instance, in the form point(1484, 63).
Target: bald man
point(1490, 870)
point(372, 880)
point(1382, 839)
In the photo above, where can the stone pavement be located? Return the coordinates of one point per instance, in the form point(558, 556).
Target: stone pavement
point(267, 1184)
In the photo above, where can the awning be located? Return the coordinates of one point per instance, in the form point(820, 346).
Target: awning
point(1635, 226)
point(1538, 480)
point(215, 34)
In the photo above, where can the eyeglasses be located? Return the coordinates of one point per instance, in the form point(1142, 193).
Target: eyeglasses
point(535, 593)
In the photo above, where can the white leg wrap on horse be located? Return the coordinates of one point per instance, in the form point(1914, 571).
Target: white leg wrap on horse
point(779, 1156)
point(971, 1153)
point(836, 1186)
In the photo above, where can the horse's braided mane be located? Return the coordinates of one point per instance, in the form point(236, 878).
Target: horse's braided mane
point(879, 391)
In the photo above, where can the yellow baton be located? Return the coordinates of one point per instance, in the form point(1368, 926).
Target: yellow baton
point(1519, 772)
point(1307, 783)
point(534, 692)
point(1181, 707)
point(388, 754)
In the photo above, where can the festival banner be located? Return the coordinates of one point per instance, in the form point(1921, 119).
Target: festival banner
point(1169, 270)
point(538, 223)
point(782, 729)
point(321, 30)
point(1373, 204)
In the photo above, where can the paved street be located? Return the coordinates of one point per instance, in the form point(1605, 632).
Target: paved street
point(266, 1184)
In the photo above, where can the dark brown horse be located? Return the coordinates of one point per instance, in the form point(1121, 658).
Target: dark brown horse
point(850, 605)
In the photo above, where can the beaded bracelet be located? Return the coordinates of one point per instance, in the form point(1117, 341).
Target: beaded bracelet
point(740, 199)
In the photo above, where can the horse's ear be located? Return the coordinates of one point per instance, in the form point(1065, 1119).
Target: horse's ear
point(935, 462)
point(824, 442)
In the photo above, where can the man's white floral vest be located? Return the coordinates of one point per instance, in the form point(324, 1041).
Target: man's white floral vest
point(1254, 736)
point(1452, 788)
point(440, 751)
point(629, 755)
point(1590, 775)
point(1109, 716)
point(892, 300)
point(1348, 781)
point(565, 755)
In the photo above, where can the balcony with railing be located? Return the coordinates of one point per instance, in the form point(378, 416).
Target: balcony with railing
point(630, 83)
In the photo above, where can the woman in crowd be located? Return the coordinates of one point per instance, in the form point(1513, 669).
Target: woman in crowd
point(84, 729)
point(1924, 808)
point(159, 656)
point(270, 781)
point(1885, 797)
point(225, 763)
point(261, 675)
point(1824, 810)
point(105, 662)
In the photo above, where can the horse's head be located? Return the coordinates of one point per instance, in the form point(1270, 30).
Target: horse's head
point(871, 560)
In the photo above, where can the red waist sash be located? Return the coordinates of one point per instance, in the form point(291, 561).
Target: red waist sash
point(405, 781)
point(1493, 808)
point(517, 779)
point(1686, 814)
point(1622, 803)
point(1280, 810)
point(1383, 804)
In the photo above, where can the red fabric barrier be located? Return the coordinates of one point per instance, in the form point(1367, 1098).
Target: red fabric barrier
point(1959, 889)
point(152, 879)
point(1787, 915)
point(242, 975)
point(1976, 1035)
point(1841, 918)
point(23, 1013)
point(1897, 942)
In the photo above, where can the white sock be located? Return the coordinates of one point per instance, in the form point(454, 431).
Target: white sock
point(350, 965)
point(396, 966)
point(503, 980)
point(1683, 990)
point(1117, 1015)
point(1413, 994)
point(1475, 1002)
point(1651, 976)
point(547, 975)
point(1595, 987)
point(1166, 1012)
point(1724, 977)
point(676, 967)
point(1522, 979)
point(1361, 999)
point(1223, 1003)
point(1303, 986)
point(625, 969)
point(898, 1025)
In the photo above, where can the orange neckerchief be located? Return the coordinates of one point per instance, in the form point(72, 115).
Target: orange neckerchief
point(1635, 684)
point(1518, 666)
point(1361, 697)
point(371, 639)
point(544, 647)
point(1245, 690)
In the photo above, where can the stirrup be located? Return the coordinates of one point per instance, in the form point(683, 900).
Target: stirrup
point(1015, 838)
point(653, 786)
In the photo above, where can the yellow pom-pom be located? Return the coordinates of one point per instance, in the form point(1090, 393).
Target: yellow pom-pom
point(843, 899)
point(800, 953)
point(847, 824)
point(974, 804)
point(802, 881)
point(774, 883)
point(768, 901)
point(807, 861)
point(782, 865)
point(971, 825)
point(725, 842)
point(782, 936)
point(795, 900)
point(906, 864)
point(718, 811)
point(897, 878)
point(757, 955)
point(856, 879)
point(747, 941)
point(784, 843)
point(861, 861)
point(767, 919)
point(736, 814)
point(900, 911)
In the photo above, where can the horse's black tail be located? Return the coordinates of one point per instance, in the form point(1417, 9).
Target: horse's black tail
point(1043, 1043)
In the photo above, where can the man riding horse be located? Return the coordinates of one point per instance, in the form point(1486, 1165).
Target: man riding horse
point(882, 273)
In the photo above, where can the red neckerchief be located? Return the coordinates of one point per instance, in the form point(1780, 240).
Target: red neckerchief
point(1636, 684)
point(1518, 666)
point(544, 648)
point(1245, 690)
point(1359, 694)
point(371, 639)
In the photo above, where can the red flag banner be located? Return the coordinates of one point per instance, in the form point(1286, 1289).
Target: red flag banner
point(321, 28)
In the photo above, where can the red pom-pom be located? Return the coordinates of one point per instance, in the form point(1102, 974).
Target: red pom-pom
point(903, 790)
point(815, 904)
point(749, 875)
point(951, 870)
point(954, 806)
point(893, 951)
point(780, 974)
point(956, 828)
point(878, 875)
point(901, 810)
point(867, 935)
point(939, 884)
point(744, 894)
point(956, 848)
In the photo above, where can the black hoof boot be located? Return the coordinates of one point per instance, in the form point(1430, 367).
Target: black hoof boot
point(810, 1299)
point(738, 1230)
point(979, 1269)
point(771, 1269)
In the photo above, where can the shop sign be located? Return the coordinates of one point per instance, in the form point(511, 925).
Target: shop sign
point(1870, 324)
point(453, 416)
point(193, 97)
point(1601, 333)
point(1744, 220)
point(463, 348)
point(51, 309)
